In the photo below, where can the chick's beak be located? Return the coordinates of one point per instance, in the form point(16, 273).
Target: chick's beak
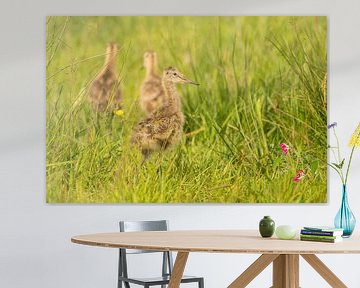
point(192, 82)
point(186, 80)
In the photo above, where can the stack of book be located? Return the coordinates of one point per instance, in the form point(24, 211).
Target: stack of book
point(321, 234)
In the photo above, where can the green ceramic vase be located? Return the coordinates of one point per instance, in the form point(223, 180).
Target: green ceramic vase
point(266, 227)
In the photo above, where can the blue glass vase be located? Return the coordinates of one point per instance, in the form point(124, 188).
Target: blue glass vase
point(345, 219)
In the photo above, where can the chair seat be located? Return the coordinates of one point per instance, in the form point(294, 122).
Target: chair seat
point(158, 280)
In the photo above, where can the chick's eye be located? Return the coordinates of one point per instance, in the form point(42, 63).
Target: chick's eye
point(175, 74)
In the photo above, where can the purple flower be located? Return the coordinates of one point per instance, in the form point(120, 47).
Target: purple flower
point(332, 125)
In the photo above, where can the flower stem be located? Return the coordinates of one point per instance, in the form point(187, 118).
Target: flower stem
point(348, 166)
point(337, 171)
point(340, 171)
point(338, 146)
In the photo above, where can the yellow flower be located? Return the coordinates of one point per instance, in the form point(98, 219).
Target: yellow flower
point(355, 138)
point(119, 113)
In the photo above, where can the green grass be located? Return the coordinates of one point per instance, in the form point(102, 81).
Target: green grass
point(261, 84)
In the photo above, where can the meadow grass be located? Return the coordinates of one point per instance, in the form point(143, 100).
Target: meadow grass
point(261, 81)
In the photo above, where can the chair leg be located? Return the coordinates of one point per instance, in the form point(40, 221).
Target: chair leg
point(201, 283)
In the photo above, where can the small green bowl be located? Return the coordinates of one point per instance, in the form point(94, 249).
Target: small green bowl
point(285, 232)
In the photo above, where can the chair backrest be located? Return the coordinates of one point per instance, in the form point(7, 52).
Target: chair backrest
point(132, 226)
point(135, 226)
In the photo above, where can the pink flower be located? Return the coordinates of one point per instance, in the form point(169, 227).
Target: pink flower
point(299, 175)
point(284, 149)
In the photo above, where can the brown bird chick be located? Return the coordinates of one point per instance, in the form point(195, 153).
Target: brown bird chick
point(105, 92)
point(163, 128)
point(152, 94)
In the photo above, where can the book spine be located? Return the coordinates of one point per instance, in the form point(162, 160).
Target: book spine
point(319, 236)
point(318, 239)
point(320, 233)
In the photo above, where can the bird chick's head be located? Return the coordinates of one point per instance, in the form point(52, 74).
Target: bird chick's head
point(173, 75)
point(111, 54)
point(111, 48)
point(149, 59)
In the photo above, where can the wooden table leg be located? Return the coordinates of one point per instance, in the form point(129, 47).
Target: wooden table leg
point(253, 270)
point(178, 269)
point(293, 264)
point(324, 271)
point(286, 271)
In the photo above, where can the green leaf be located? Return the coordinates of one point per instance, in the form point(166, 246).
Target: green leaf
point(342, 163)
point(314, 166)
point(277, 161)
point(336, 165)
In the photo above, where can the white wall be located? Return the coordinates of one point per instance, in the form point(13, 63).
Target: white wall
point(35, 248)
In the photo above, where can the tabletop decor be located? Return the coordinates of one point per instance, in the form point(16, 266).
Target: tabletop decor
point(321, 234)
point(344, 218)
point(186, 109)
point(286, 232)
point(266, 227)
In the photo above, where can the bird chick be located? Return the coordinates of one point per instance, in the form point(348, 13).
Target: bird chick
point(105, 93)
point(152, 94)
point(163, 128)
